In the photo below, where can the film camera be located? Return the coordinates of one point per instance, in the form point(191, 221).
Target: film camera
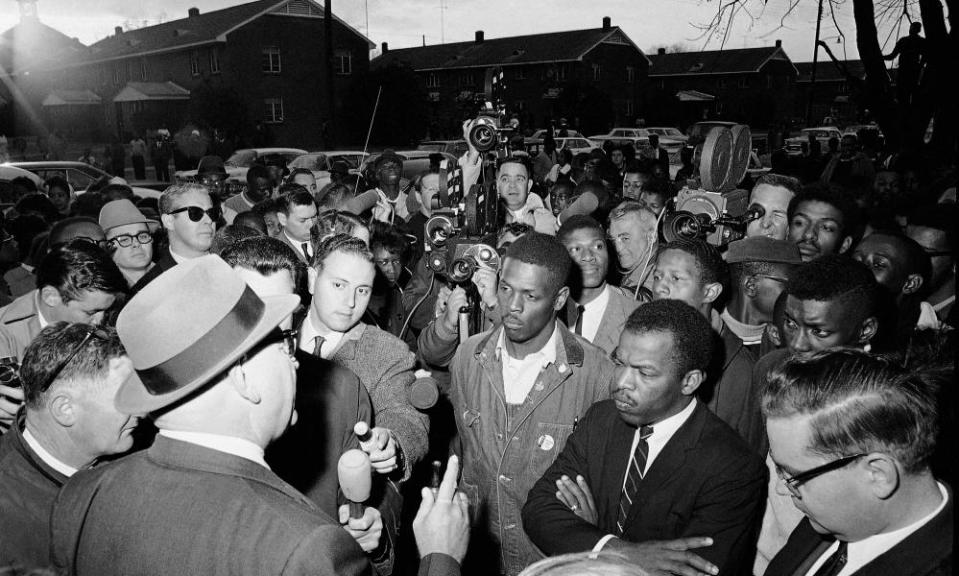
point(490, 129)
point(715, 211)
point(453, 256)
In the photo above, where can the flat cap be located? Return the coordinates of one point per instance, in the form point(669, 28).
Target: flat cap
point(763, 249)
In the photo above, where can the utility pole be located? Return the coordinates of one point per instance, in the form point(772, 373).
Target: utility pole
point(815, 60)
point(330, 136)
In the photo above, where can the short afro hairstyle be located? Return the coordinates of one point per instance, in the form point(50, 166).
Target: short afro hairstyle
point(256, 171)
point(858, 403)
point(836, 277)
point(578, 222)
point(543, 250)
point(712, 267)
point(692, 334)
point(834, 195)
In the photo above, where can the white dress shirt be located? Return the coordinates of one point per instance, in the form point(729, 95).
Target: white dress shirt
point(860, 553)
point(663, 431)
point(48, 458)
point(519, 376)
point(593, 314)
point(226, 444)
point(308, 334)
point(298, 245)
point(40, 318)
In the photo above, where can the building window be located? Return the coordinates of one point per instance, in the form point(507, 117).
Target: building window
point(215, 60)
point(195, 62)
point(143, 68)
point(721, 83)
point(343, 62)
point(270, 62)
point(466, 80)
point(744, 82)
point(630, 75)
point(274, 110)
point(432, 80)
point(597, 72)
point(520, 73)
point(769, 81)
point(116, 74)
point(561, 72)
point(629, 108)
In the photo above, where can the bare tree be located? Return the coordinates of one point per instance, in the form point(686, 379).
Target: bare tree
point(903, 123)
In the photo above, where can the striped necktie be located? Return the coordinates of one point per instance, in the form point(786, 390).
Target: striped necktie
point(634, 475)
point(318, 345)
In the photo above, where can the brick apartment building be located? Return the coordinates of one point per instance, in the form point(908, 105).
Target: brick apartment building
point(269, 53)
point(595, 77)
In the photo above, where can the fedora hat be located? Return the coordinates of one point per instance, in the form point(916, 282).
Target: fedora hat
point(120, 213)
point(186, 327)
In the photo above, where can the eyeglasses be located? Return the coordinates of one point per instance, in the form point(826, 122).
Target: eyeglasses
point(7, 238)
point(90, 334)
point(126, 240)
point(102, 242)
point(933, 253)
point(196, 213)
point(793, 482)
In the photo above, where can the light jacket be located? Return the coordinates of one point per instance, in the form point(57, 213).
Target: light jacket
point(19, 325)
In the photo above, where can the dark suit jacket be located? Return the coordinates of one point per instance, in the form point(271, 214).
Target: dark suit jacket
point(925, 552)
point(164, 263)
point(295, 247)
point(705, 482)
point(179, 508)
point(28, 487)
point(620, 306)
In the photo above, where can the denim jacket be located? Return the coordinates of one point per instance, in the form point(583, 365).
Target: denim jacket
point(505, 449)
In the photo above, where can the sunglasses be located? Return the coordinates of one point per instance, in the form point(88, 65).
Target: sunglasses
point(196, 213)
point(90, 334)
point(126, 240)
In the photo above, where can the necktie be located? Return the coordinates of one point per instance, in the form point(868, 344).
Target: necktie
point(318, 345)
point(634, 474)
point(306, 250)
point(834, 563)
point(578, 329)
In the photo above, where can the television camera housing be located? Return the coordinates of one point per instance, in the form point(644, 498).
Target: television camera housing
point(715, 211)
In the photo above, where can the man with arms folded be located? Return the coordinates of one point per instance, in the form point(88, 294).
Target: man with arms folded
point(652, 473)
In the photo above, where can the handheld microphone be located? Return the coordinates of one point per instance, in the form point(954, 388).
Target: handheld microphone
point(586, 204)
point(365, 435)
point(424, 393)
point(362, 203)
point(355, 474)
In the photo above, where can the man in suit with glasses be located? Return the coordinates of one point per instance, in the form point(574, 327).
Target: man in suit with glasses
point(70, 374)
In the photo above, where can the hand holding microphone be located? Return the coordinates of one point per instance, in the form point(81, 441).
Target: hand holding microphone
point(381, 446)
point(364, 524)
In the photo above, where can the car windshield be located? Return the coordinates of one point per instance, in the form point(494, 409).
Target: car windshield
point(432, 146)
point(351, 161)
point(242, 158)
point(311, 162)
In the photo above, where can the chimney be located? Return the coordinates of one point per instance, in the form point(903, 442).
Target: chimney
point(661, 51)
point(385, 47)
point(192, 12)
point(118, 30)
point(779, 43)
point(479, 36)
point(607, 22)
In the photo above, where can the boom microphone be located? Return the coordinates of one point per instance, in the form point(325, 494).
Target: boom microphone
point(584, 205)
point(363, 202)
point(355, 474)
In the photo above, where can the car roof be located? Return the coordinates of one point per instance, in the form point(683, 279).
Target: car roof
point(262, 151)
point(9, 172)
point(51, 164)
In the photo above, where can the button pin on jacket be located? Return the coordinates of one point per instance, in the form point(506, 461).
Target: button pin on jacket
point(545, 442)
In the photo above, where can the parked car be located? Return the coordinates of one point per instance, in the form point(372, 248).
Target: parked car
point(79, 174)
point(856, 129)
point(639, 138)
point(454, 147)
point(666, 132)
point(540, 134)
point(7, 174)
point(241, 160)
point(794, 145)
point(319, 163)
point(575, 144)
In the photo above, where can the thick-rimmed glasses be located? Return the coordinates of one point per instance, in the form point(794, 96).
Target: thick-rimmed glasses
point(126, 240)
point(793, 482)
point(90, 334)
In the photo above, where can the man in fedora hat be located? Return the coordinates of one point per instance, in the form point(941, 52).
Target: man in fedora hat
point(216, 373)
point(129, 238)
point(211, 173)
point(70, 374)
point(189, 218)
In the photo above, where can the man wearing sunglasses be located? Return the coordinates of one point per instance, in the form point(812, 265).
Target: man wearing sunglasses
point(851, 436)
point(189, 218)
point(70, 374)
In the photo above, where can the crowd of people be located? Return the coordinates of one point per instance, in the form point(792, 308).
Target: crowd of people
point(284, 381)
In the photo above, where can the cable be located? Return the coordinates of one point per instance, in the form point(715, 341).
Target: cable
point(406, 323)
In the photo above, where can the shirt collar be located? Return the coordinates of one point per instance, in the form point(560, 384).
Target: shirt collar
point(178, 258)
point(546, 355)
point(748, 333)
point(40, 318)
point(599, 302)
point(228, 444)
point(308, 334)
point(294, 241)
point(48, 458)
point(664, 429)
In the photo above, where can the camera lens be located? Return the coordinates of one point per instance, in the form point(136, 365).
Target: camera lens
point(483, 137)
point(461, 270)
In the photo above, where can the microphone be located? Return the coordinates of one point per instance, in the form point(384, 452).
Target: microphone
point(584, 205)
point(424, 393)
point(355, 475)
point(362, 203)
point(364, 435)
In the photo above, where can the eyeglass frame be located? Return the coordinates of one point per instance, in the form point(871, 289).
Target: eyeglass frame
point(211, 212)
point(91, 332)
point(131, 237)
point(793, 483)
